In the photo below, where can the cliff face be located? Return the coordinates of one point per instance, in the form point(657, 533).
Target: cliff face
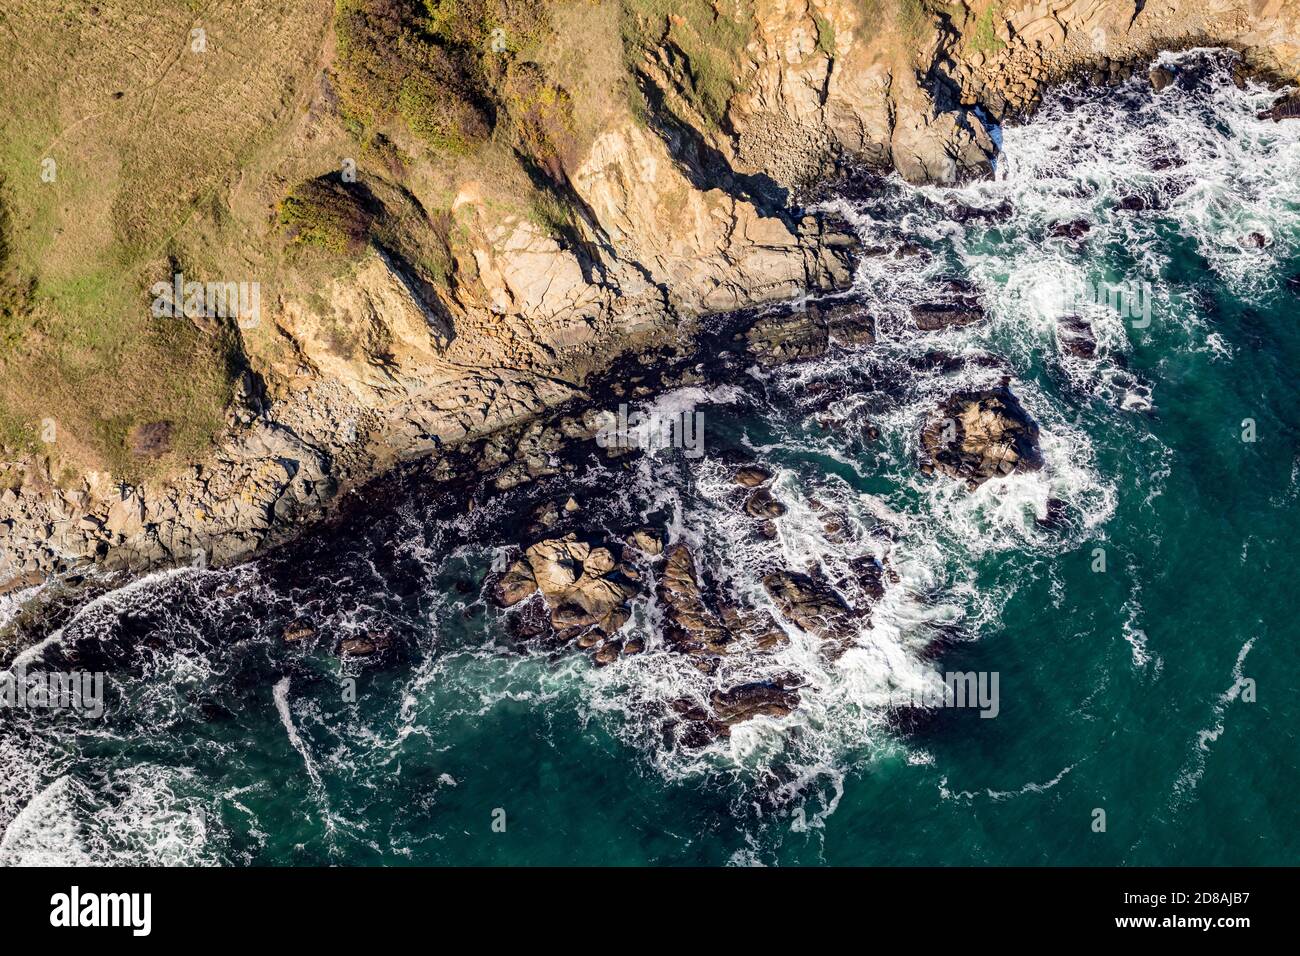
point(422, 289)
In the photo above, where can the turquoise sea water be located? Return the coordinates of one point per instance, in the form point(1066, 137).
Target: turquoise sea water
point(1125, 689)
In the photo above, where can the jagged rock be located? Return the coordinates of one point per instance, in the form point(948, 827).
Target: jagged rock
point(556, 564)
point(126, 516)
point(1075, 337)
point(869, 575)
point(646, 540)
point(751, 476)
point(788, 338)
point(753, 626)
point(960, 212)
point(980, 435)
point(961, 307)
point(1287, 108)
point(807, 333)
point(545, 517)
point(608, 652)
point(746, 701)
point(811, 605)
point(761, 504)
point(690, 626)
point(515, 585)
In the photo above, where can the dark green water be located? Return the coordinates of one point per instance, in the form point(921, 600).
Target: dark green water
point(1125, 689)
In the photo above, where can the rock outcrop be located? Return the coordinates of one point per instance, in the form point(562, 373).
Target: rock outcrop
point(976, 436)
point(585, 588)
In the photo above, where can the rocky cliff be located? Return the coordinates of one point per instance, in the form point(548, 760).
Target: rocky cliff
point(435, 269)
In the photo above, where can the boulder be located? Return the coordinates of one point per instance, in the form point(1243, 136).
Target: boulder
point(1160, 77)
point(515, 585)
point(576, 581)
point(980, 435)
point(761, 504)
point(1075, 337)
point(556, 563)
point(751, 476)
point(599, 561)
point(646, 540)
point(811, 605)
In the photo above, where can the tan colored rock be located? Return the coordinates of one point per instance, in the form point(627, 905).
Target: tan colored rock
point(647, 541)
point(975, 436)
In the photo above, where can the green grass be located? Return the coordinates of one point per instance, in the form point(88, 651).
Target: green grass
point(550, 215)
point(711, 43)
point(984, 39)
point(913, 18)
point(825, 35)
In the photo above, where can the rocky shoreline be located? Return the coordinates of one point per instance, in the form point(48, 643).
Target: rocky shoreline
point(292, 461)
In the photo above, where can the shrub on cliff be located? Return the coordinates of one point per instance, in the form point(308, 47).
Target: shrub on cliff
point(16, 293)
point(542, 115)
point(436, 64)
point(329, 214)
point(391, 65)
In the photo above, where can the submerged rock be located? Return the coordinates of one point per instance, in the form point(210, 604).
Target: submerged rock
point(1075, 337)
point(1287, 108)
point(981, 435)
point(1074, 229)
